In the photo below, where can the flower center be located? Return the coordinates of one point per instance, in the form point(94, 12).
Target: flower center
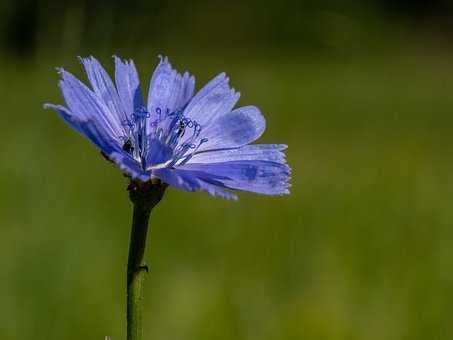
point(169, 139)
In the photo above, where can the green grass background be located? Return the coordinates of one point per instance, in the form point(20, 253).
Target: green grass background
point(361, 249)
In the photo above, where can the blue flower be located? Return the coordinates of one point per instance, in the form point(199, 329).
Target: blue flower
point(192, 142)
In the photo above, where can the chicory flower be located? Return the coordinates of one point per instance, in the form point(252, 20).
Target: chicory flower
point(191, 142)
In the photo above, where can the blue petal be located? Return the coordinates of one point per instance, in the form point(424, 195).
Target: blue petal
point(66, 115)
point(94, 132)
point(129, 165)
point(255, 152)
point(158, 153)
point(128, 85)
point(110, 148)
point(190, 181)
point(169, 91)
point(263, 177)
point(104, 88)
point(85, 105)
point(171, 177)
point(215, 99)
point(216, 191)
point(235, 129)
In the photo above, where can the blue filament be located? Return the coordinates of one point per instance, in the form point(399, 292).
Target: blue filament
point(171, 130)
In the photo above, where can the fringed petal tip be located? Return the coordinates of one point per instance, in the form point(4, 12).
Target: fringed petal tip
point(64, 75)
point(118, 59)
point(47, 106)
point(163, 59)
point(165, 62)
point(86, 59)
point(56, 107)
point(61, 110)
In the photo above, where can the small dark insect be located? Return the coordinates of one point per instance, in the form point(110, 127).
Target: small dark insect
point(181, 128)
point(127, 146)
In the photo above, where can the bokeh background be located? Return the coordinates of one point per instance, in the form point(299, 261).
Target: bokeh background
point(361, 249)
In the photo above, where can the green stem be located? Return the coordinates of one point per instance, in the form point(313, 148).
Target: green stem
point(144, 197)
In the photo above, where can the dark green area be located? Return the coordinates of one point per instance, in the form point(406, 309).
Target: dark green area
point(361, 249)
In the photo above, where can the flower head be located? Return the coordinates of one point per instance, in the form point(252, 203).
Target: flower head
point(192, 142)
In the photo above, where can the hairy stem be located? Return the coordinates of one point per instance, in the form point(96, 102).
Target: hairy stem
point(144, 197)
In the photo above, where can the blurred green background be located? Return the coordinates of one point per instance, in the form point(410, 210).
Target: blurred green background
point(361, 249)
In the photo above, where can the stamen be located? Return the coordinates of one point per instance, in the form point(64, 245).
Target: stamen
point(169, 131)
point(189, 156)
point(135, 141)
